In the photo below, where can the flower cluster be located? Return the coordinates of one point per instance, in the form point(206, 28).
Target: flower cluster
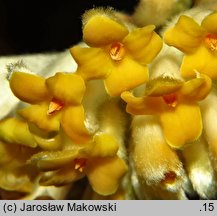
point(64, 135)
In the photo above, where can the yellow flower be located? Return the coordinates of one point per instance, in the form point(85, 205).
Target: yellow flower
point(198, 42)
point(176, 104)
point(55, 101)
point(117, 56)
point(97, 160)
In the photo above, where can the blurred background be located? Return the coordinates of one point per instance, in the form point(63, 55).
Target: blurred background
point(42, 26)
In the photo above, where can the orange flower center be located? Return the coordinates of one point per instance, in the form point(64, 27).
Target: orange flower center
point(80, 164)
point(211, 41)
point(117, 51)
point(170, 100)
point(169, 177)
point(55, 105)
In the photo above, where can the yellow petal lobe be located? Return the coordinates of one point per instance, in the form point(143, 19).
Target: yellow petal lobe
point(66, 87)
point(196, 89)
point(127, 74)
point(202, 61)
point(175, 124)
point(143, 105)
point(186, 35)
point(93, 63)
point(73, 123)
point(209, 23)
point(37, 114)
point(100, 30)
point(104, 174)
point(143, 44)
point(103, 145)
point(54, 143)
point(28, 87)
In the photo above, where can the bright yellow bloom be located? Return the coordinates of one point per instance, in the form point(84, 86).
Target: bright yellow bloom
point(176, 104)
point(55, 101)
point(97, 160)
point(198, 42)
point(117, 56)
